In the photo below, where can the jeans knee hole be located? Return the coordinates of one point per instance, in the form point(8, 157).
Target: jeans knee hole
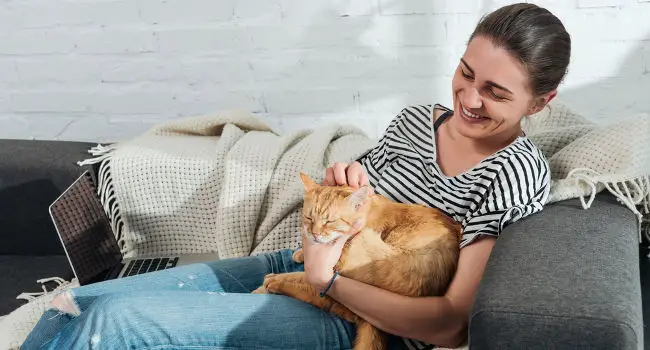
point(65, 303)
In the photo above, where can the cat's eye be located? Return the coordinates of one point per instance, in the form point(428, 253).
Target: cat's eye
point(328, 221)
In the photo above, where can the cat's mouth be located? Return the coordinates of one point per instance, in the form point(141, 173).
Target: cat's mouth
point(328, 238)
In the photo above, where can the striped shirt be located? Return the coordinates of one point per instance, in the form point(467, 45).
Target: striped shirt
point(503, 188)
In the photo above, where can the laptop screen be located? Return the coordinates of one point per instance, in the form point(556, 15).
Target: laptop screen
point(84, 230)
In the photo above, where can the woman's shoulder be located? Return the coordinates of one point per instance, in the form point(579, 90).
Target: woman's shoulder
point(426, 108)
point(417, 111)
point(523, 156)
point(412, 117)
point(422, 112)
point(525, 147)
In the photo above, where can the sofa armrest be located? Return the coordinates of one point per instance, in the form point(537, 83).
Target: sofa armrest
point(32, 175)
point(565, 278)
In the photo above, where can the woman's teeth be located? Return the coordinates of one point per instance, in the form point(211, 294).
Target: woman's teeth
point(471, 115)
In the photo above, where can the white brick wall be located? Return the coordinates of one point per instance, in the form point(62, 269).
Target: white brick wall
point(106, 70)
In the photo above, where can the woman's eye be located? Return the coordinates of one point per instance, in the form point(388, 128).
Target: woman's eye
point(500, 98)
point(465, 75)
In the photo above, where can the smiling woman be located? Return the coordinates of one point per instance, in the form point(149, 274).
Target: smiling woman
point(473, 163)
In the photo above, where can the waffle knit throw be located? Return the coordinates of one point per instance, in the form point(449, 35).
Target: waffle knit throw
point(227, 183)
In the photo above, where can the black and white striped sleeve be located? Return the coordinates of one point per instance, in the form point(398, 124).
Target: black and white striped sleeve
point(375, 160)
point(520, 188)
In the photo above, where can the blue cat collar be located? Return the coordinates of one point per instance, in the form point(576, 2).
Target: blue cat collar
point(322, 294)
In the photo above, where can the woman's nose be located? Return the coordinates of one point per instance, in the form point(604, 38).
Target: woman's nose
point(471, 98)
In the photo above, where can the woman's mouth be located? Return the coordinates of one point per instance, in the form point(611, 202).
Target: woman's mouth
point(472, 117)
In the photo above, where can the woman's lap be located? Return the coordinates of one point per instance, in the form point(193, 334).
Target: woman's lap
point(173, 319)
point(206, 304)
point(192, 306)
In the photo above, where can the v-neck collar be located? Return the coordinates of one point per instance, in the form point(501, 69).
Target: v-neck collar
point(434, 149)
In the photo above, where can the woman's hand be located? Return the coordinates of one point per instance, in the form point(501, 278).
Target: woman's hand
point(320, 259)
point(342, 174)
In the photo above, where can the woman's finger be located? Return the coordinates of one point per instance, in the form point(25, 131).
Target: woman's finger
point(354, 176)
point(339, 173)
point(329, 177)
point(363, 179)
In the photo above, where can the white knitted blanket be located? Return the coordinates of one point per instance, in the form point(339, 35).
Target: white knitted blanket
point(224, 183)
point(586, 158)
point(227, 183)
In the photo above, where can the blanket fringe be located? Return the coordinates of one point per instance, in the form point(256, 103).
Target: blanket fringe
point(31, 296)
point(99, 149)
point(59, 281)
point(107, 195)
point(581, 175)
point(633, 194)
point(100, 153)
point(105, 189)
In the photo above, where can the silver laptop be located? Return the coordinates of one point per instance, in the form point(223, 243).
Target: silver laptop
point(90, 244)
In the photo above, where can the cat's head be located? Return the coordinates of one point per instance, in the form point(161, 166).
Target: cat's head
point(332, 211)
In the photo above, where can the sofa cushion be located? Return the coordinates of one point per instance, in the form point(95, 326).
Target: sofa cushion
point(20, 273)
point(566, 278)
point(33, 174)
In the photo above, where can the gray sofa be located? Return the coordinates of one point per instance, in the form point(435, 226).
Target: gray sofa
point(562, 279)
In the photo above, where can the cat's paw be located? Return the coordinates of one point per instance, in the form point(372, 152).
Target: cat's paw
point(273, 283)
point(263, 289)
point(260, 290)
point(298, 256)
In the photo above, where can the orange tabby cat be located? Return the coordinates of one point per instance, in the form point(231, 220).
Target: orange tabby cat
point(407, 249)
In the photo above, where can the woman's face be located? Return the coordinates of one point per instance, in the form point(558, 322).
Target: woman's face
point(491, 92)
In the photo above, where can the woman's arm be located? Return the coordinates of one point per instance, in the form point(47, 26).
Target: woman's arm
point(435, 320)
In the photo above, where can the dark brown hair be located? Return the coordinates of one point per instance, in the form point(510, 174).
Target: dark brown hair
point(535, 37)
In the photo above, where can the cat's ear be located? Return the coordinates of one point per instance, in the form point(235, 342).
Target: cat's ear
point(308, 182)
point(360, 196)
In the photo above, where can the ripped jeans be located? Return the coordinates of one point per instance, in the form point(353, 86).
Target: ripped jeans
point(197, 306)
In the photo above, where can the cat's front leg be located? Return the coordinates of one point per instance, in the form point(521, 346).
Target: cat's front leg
point(298, 256)
point(284, 277)
point(300, 290)
point(303, 291)
point(260, 290)
point(275, 283)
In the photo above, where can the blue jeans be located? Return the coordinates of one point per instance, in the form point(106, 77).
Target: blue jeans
point(197, 306)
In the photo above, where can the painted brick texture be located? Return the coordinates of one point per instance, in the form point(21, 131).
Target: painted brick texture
point(105, 70)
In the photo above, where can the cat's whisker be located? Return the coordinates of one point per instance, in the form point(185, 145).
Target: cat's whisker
point(330, 238)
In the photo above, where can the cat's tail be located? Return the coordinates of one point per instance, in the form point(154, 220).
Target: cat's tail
point(370, 337)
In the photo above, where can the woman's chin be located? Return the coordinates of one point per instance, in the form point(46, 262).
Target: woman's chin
point(471, 131)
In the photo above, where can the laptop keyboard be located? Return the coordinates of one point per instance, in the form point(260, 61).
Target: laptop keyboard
point(140, 266)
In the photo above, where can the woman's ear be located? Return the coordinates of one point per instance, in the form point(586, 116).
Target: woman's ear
point(541, 102)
